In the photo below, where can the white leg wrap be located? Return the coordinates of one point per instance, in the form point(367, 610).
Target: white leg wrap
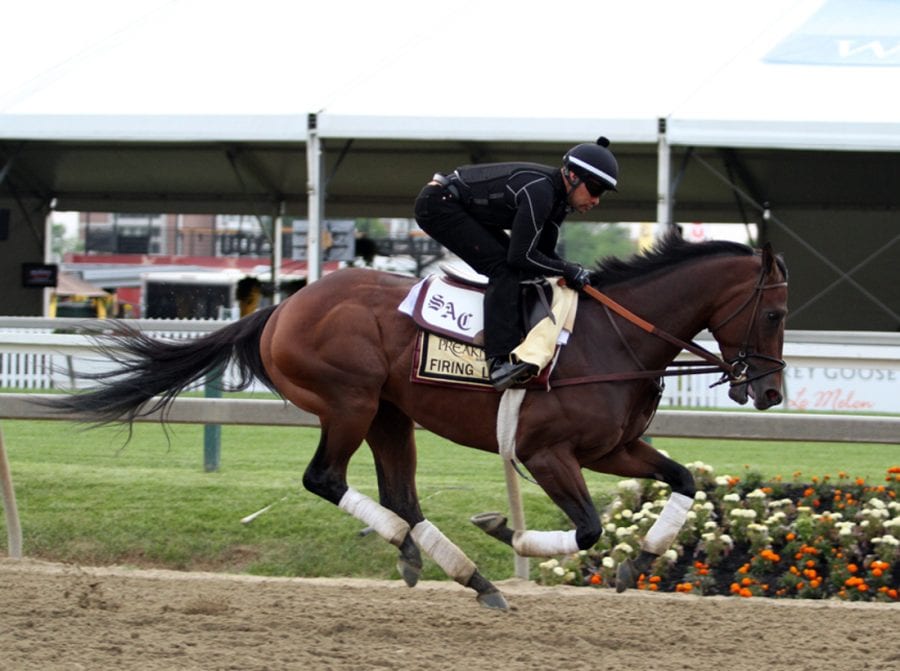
point(544, 543)
point(668, 524)
point(387, 524)
point(442, 550)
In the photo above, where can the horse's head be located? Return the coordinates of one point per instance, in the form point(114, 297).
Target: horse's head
point(750, 331)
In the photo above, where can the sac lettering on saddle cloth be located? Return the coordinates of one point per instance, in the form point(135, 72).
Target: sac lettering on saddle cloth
point(449, 349)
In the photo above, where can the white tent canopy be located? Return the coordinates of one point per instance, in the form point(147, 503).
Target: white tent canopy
point(503, 70)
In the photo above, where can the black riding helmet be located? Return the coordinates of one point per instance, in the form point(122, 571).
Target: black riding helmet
point(594, 164)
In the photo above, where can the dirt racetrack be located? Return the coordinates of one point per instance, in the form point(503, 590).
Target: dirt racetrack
point(55, 616)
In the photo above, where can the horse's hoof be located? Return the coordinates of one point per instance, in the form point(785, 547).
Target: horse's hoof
point(489, 522)
point(494, 600)
point(627, 575)
point(409, 572)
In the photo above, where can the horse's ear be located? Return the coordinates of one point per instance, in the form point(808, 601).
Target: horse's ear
point(768, 257)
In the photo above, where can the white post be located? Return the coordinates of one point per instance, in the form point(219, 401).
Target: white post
point(315, 201)
point(13, 529)
point(663, 183)
point(277, 251)
point(516, 515)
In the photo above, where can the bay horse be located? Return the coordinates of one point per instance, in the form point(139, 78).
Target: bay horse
point(340, 349)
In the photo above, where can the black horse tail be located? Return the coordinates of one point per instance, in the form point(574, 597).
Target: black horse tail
point(152, 372)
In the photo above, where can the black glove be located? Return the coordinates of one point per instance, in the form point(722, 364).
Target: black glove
point(576, 276)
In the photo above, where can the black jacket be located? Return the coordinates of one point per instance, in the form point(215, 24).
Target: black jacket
point(527, 199)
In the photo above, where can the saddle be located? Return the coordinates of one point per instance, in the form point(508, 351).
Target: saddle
point(448, 308)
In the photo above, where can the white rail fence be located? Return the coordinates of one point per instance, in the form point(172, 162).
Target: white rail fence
point(878, 352)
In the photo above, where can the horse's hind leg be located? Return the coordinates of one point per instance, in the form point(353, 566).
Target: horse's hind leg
point(326, 476)
point(641, 460)
point(392, 440)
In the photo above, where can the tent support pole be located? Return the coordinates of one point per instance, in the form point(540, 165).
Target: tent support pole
point(315, 200)
point(664, 207)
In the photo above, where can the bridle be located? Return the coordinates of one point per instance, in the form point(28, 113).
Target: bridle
point(740, 365)
point(734, 371)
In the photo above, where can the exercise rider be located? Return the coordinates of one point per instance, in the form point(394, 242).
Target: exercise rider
point(469, 211)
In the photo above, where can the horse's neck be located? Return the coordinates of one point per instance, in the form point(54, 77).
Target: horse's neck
point(680, 302)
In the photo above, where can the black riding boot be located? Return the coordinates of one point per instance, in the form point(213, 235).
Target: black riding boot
point(504, 373)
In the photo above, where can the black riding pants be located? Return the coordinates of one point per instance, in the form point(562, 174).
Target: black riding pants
point(484, 248)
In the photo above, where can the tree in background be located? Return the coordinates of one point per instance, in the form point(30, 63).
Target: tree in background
point(586, 243)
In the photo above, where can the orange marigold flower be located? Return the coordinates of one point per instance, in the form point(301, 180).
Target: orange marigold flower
point(877, 572)
point(810, 563)
point(815, 583)
point(862, 587)
point(809, 491)
point(655, 578)
point(894, 469)
point(596, 579)
point(892, 593)
point(790, 536)
point(746, 582)
point(853, 568)
point(735, 588)
point(746, 593)
point(860, 481)
point(744, 569)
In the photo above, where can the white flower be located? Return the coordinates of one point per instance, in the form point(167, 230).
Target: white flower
point(780, 503)
point(709, 537)
point(725, 538)
point(700, 496)
point(549, 564)
point(559, 570)
point(876, 503)
point(732, 498)
point(756, 494)
point(626, 514)
point(691, 515)
point(887, 539)
point(629, 486)
point(670, 555)
point(610, 528)
point(890, 524)
point(624, 547)
point(710, 526)
point(708, 506)
point(723, 480)
point(609, 562)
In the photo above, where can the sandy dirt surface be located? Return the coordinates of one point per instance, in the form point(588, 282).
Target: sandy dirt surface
point(55, 616)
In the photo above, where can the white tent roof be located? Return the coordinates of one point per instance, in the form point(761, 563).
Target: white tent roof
point(181, 70)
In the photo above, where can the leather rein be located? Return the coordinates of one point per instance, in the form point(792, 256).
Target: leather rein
point(735, 372)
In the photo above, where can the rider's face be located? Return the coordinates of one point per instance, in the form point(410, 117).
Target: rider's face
point(580, 199)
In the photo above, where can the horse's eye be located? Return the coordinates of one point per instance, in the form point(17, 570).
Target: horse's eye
point(774, 317)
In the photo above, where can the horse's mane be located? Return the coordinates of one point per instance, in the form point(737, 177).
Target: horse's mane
point(669, 250)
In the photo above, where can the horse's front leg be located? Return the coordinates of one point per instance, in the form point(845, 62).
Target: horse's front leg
point(557, 471)
point(640, 460)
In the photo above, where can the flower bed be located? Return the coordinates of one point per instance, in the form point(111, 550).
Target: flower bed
point(821, 538)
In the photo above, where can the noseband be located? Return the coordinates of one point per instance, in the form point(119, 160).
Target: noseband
point(740, 365)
